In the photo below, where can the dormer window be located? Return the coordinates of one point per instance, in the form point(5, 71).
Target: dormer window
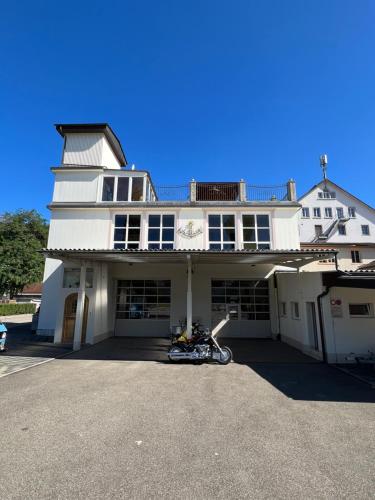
point(327, 195)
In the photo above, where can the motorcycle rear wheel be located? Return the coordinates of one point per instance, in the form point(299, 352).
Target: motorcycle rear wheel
point(226, 357)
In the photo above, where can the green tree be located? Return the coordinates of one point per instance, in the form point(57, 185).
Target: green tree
point(22, 235)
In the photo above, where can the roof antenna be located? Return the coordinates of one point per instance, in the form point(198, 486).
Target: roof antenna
point(323, 164)
point(133, 166)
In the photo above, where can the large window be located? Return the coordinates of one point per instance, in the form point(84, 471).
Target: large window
point(221, 232)
point(160, 232)
point(256, 231)
point(108, 188)
point(143, 299)
point(127, 232)
point(137, 189)
point(123, 189)
point(249, 297)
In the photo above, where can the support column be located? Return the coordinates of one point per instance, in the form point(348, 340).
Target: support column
point(189, 299)
point(80, 309)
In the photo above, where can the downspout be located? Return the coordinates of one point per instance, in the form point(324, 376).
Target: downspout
point(320, 314)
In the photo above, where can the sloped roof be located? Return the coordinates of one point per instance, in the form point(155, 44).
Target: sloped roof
point(336, 186)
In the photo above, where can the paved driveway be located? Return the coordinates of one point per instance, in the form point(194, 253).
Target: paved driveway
point(88, 426)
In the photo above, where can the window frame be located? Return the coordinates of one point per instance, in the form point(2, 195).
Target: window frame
point(161, 227)
point(368, 229)
point(355, 256)
point(222, 242)
point(283, 309)
point(352, 213)
point(140, 316)
point(308, 213)
point(294, 311)
point(321, 230)
point(256, 227)
point(318, 209)
point(338, 229)
point(370, 310)
point(325, 213)
point(341, 211)
point(126, 241)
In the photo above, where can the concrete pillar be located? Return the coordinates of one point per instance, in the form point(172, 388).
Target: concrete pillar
point(243, 196)
point(189, 299)
point(80, 309)
point(193, 190)
point(291, 190)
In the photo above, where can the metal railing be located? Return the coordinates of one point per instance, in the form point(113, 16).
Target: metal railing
point(172, 193)
point(266, 193)
point(217, 191)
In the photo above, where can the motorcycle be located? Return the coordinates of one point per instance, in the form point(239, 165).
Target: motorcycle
point(201, 347)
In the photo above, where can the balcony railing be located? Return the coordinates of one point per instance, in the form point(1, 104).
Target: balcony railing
point(267, 193)
point(221, 191)
point(172, 193)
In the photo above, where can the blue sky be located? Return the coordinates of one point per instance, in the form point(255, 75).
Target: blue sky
point(215, 90)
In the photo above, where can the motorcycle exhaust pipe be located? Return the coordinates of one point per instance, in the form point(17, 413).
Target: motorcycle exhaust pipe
point(183, 355)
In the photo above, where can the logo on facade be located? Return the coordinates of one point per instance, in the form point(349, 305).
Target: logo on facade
point(188, 231)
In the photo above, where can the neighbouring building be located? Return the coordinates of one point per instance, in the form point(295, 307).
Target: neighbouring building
point(331, 217)
point(128, 258)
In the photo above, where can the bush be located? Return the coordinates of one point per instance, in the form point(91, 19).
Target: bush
point(9, 309)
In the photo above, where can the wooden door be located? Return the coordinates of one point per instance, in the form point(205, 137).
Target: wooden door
point(70, 311)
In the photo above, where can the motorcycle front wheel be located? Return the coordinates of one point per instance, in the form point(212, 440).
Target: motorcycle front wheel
point(173, 349)
point(226, 356)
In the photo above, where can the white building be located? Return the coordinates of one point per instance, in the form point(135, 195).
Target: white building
point(331, 217)
point(125, 258)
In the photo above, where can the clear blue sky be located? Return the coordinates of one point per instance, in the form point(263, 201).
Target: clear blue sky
point(211, 89)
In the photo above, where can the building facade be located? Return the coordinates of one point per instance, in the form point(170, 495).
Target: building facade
point(331, 217)
point(126, 258)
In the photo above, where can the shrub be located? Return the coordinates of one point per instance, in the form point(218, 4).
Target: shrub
point(9, 309)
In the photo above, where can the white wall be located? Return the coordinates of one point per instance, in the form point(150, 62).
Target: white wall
point(90, 149)
point(285, 229)
point(349, 334)
point(299, 287)
point(81, 228)
point(76, 186)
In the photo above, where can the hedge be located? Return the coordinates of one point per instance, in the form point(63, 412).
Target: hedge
point(9, 309)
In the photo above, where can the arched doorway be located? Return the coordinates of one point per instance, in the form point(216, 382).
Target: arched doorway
point(70, 311)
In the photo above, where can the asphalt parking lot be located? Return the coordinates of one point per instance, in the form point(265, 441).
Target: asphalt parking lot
point(94, 426)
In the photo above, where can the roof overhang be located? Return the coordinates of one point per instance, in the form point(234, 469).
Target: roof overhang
point(350, 279)
point(287, 258)
point(104, 128)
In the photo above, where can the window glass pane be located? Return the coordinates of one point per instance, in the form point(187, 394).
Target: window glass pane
point(359, 309)
point(134, 220)
point(168, 234)
point(133, 235)
point(214, 220)
point(168, 220)
point(122, 188)
point(263, 221)
point(71, 278)
point(154, 235)
point(229, 235)
point(215, 246)
point(154, 220)
point(249, 234)
point(108, 188)
point(264, 246)
point(137, 189)
point(250, 246)
point(167, 246)
point(119, 246)
point(228, 220)
point(263, 235)
point(248, 220)
point(153, 246)
point(214, 234)
point(120, 220)
point(228, 246)
point(134, 302)
point(119, 235)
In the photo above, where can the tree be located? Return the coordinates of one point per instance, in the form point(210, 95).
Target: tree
point(22, 235)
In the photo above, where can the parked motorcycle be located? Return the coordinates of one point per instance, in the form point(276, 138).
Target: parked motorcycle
point(201, 347)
